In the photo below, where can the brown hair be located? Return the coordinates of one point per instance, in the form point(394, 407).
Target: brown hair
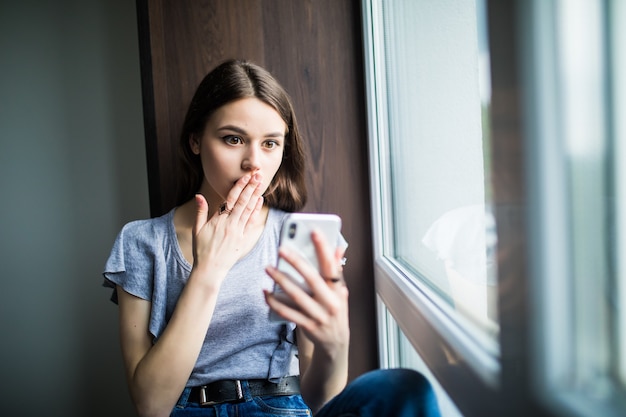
point(233, 80)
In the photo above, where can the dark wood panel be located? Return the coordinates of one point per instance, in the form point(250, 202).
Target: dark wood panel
point(314, 49)
point(510, 207)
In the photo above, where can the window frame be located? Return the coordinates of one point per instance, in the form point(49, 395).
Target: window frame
point(431, 326)
point(618, 67)
point(529, 203)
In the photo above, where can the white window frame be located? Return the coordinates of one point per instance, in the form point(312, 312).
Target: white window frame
point(431, 325)
point(618, 34)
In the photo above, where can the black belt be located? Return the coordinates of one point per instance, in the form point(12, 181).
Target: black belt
point(232, 390)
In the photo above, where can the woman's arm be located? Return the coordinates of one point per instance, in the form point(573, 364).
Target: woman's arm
point(322, 323)
point(157, 374)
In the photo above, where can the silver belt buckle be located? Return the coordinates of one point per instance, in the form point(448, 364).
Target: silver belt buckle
point(239, 390)
point(203, 399)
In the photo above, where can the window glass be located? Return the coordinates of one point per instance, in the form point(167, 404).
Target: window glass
point(438, 94)
point(617, 34)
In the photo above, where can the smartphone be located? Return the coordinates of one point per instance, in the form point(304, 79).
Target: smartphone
point(296, 235)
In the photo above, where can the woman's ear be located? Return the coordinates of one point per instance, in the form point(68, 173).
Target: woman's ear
point(194, 144)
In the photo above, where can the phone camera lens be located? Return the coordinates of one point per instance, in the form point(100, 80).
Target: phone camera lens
point(292, 230)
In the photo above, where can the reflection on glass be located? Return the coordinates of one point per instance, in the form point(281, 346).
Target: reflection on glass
point(464, 240)
point(438, 91)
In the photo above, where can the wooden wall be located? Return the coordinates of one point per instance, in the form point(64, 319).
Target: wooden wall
point(314, 48)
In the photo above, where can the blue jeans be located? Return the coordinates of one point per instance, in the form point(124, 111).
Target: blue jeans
point(385, 392)
point(390, 392)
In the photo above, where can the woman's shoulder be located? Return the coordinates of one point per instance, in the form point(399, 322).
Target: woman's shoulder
point(148, 230)
point(137, 240)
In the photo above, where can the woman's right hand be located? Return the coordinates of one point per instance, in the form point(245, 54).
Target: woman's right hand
point(219, 240)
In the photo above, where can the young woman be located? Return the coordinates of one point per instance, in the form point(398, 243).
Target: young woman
point(193, 286)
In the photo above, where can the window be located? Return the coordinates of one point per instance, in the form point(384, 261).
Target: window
point(430, 105)
point(561, 350)
point(436, 72)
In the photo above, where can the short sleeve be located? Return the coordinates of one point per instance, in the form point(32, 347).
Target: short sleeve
point(130, 264)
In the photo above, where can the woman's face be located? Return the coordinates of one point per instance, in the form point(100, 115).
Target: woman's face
point(241, 137)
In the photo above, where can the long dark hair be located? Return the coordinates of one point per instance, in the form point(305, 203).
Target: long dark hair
point(233, 80)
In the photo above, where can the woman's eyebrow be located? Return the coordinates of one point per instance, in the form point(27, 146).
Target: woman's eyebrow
point(241, 131)
point(233, 128)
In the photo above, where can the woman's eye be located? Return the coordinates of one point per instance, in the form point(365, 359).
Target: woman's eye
point(233, 140)
point(271, 144)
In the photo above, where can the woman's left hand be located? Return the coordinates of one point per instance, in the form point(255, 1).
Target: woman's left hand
point(322, 314)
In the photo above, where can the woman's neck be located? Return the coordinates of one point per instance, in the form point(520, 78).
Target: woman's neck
point(212, 198)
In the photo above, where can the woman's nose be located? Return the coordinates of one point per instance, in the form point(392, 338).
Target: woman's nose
point(251, 160)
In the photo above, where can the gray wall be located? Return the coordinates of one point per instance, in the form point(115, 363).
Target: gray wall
point(72, 171)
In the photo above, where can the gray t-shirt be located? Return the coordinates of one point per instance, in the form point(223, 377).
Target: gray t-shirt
point(241, 343)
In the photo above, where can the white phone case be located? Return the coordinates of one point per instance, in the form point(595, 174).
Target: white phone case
point(296, 234)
